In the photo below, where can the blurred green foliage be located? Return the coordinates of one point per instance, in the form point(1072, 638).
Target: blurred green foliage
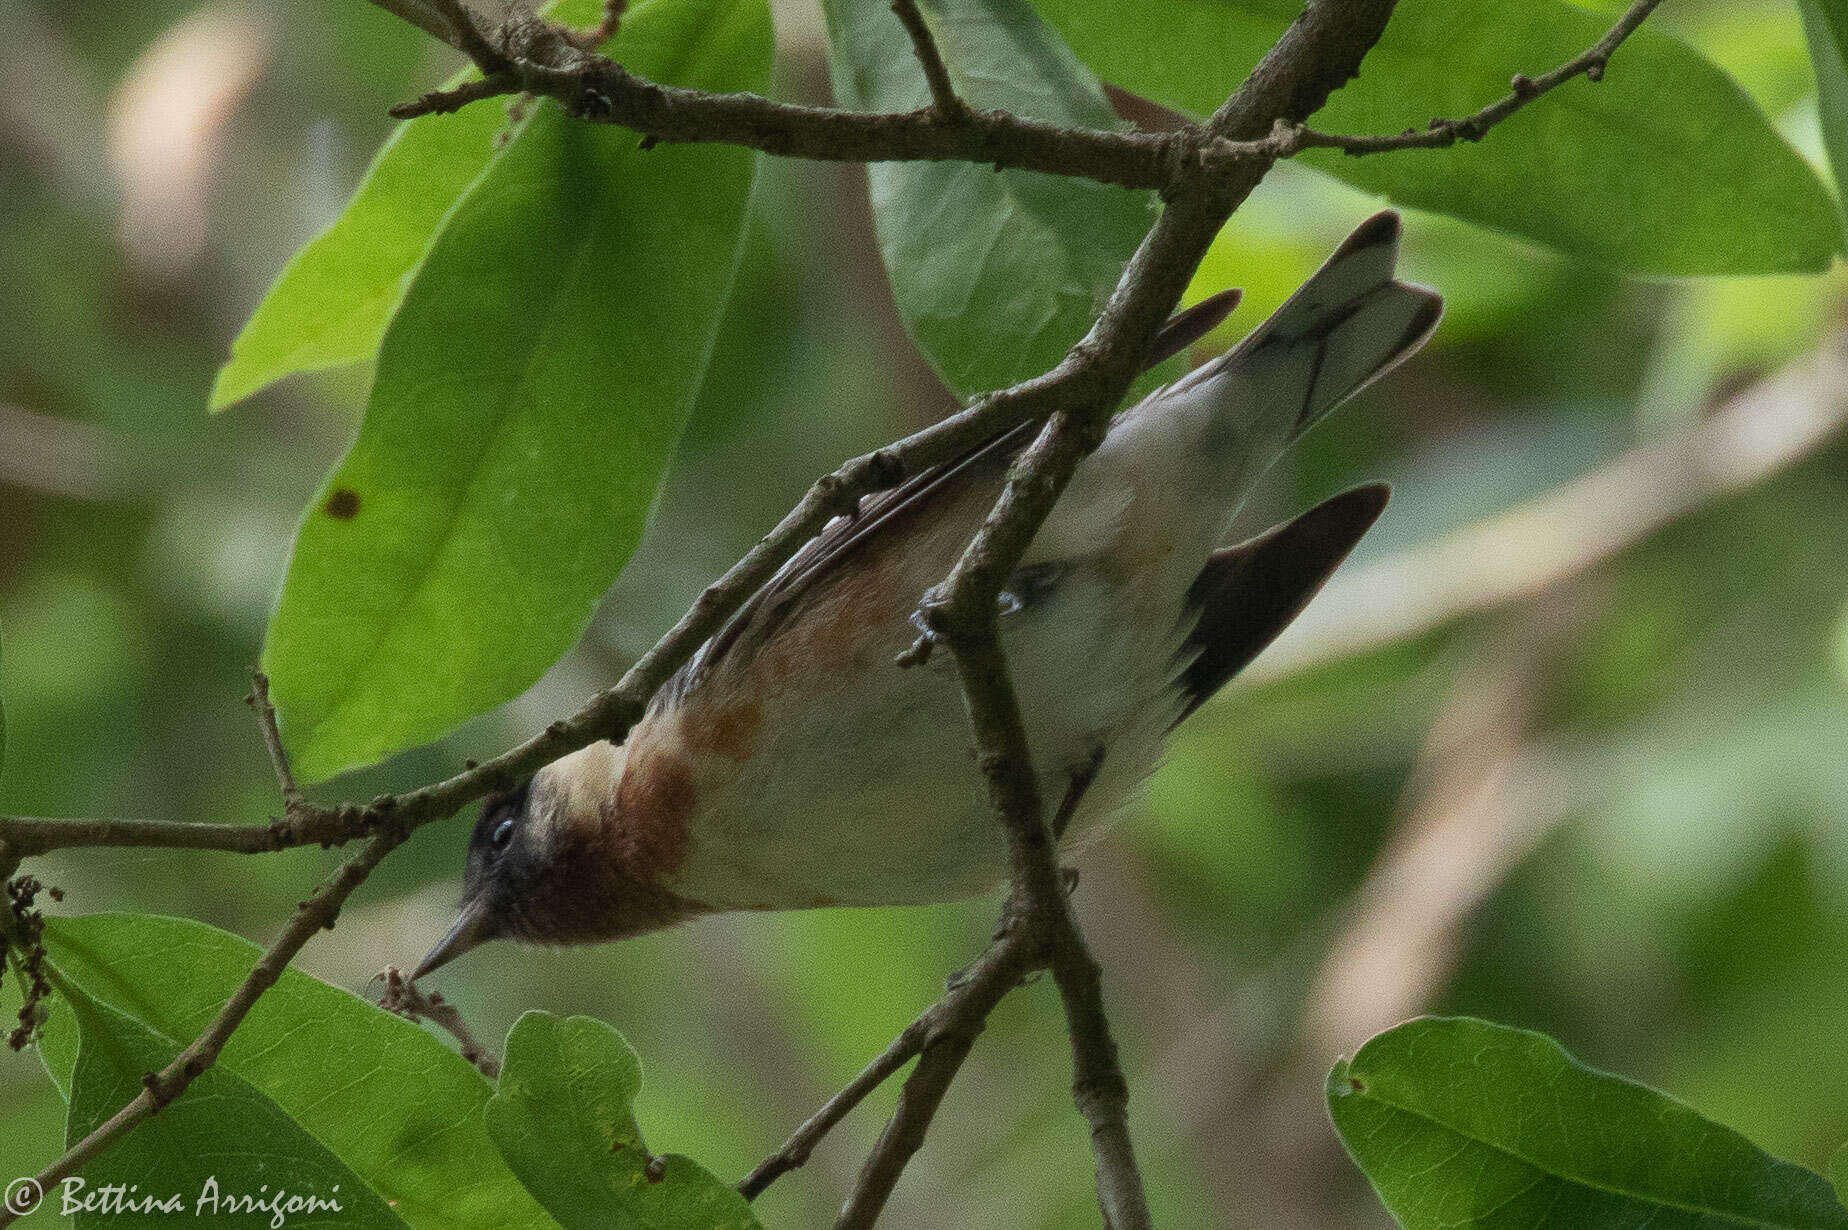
point(1679, 917)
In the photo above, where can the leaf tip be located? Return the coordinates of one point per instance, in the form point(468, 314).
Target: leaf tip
point(229, 387)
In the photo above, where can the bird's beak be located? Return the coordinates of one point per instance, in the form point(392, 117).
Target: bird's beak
point(468, 931)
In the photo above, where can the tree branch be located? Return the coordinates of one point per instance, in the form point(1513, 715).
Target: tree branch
point(530, 56)
point(34, 835)
point(1562, 533)
point(606, 26)
point(259, 700)
point(605, 93)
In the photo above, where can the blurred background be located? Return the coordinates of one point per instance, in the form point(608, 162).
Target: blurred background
point(1565, 745)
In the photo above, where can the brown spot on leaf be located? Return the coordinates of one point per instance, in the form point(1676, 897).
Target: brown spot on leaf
point(343, 504)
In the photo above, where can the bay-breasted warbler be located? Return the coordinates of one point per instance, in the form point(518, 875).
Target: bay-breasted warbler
point(793, 764)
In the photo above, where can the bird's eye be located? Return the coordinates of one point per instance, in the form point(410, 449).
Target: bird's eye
point(503, 833)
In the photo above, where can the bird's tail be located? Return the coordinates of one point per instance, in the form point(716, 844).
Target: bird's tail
point(1344, 328)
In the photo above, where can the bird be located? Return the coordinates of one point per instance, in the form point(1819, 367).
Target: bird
point(794, 763)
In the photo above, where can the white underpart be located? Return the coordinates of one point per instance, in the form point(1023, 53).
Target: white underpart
point(868, 794)
point(888, 805)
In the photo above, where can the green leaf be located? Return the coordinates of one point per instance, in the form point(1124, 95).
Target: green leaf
point(1605, 171)
point(1460, 1123)
point(57, 1045)
point(530, 392)
point(380, 1093)
point(564, 1120)
point(330, 305)
point(1825, 25)
point(221, 1149)
point(996, 274)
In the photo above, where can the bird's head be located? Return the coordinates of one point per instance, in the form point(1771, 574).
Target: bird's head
point(546, 866)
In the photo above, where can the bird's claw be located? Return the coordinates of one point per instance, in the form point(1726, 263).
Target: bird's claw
point(921, 649)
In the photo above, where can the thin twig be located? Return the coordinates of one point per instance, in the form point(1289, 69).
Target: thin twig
point(292, 797)
point(33, 835)
point(795, 1151)
point(604, 93)
point(1075, 790)
point(958, 1004)
point(531, 56)
point(1098, 1087)
point(924, 45)
point(606, 26)
point(956, 1020)
point(1288, 139)
point(409, 1001)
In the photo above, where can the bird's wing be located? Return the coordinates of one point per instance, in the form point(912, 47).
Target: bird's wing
point(761, 614)
point(752, 623)
point(1248, 594)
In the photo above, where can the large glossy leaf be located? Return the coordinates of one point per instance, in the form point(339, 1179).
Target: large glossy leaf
point(330, 304)
point(1610, 171)
point(530, 391)
point(378, 1092)
point(1460, 1123)
point(995, 273)
point(1825, 24)
point(564, 1119)
point(222, 1149)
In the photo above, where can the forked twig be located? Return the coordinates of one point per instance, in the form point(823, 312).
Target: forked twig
point(924, 45)
point(413, 1003)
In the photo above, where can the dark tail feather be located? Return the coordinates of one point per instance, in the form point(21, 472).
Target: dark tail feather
point(1188, 326)
point(1248, 594)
